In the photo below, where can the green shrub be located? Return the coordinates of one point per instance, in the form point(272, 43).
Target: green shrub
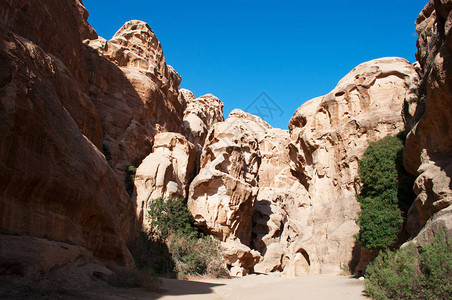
point(412, 273)
point(380, 218)
point(192, 252)
point(197, 256)
point(171, 216)
point(151, 252)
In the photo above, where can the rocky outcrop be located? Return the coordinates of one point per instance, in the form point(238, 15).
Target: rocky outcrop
point(291, 196)
point(200, 115)
point(429, 121)
point(281, 206)
point(165, 172)
point(134, 91)
point(329, 135)
point(25, 259)
point(222, 196)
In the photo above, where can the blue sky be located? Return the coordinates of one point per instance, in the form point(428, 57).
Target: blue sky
point(292, 51)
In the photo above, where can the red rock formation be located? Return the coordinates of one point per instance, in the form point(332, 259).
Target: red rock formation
point(55, 183)
point(135, 92)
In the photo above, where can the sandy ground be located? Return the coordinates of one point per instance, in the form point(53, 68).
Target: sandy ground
point(249, 287)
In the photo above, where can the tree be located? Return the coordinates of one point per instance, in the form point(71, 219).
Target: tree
point(380, 218)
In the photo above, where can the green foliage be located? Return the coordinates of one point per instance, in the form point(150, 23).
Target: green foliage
point(151, 252)
point(197, 256)
point(171, 216)
point(192, 252)
point(380, 218)
point(412, 273)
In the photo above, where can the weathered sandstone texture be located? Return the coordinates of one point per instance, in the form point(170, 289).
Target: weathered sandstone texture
point(55, 183)
point(165, 172)
point(200, 115)
point(286, 201)
point(25, 259)
point(329, 135)
point(428, 153)
point(222, 196)
point(73, 116)
point(134, 91)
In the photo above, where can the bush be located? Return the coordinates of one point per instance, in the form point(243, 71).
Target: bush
point(151, 252)
point(171, 216)
point(192, 252)
point(197, 256)
point(380, 218)
point(412, 273)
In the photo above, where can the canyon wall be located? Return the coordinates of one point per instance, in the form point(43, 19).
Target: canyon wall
point(429, 125)
point(73, 116)
point(288, 198)
point(77, 110)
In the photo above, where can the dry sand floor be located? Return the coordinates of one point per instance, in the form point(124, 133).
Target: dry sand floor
point(250, 287)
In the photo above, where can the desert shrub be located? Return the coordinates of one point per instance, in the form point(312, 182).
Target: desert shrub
point(150, 251)
point(197, 256)
point(192, 252)
point(380, 217)
point(171, 216)
point(412, 272)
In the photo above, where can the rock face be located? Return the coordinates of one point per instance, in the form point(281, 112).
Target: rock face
point(55, 182)
point(73, 116)
point(285, 201)
point(429, 122)
point(200, 115)
point(280, 213)
point(329, 135)
point(135, 93)
point(165, 172)
point(66, 266)
point(222, 196)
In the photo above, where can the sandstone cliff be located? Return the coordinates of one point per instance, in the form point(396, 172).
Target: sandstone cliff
point(285, 201)
point(428, 123)
point(135, 92)
point(73, 116)
point(76, 110)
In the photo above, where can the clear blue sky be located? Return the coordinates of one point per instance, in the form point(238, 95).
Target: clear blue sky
point(291, 50)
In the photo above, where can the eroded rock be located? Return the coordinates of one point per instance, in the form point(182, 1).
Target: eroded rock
point(329, 135)
point(135, 92)
point(165, 172)
point(429, 120)
point(200, 115)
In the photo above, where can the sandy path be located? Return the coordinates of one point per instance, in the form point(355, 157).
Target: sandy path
point(250, 287)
